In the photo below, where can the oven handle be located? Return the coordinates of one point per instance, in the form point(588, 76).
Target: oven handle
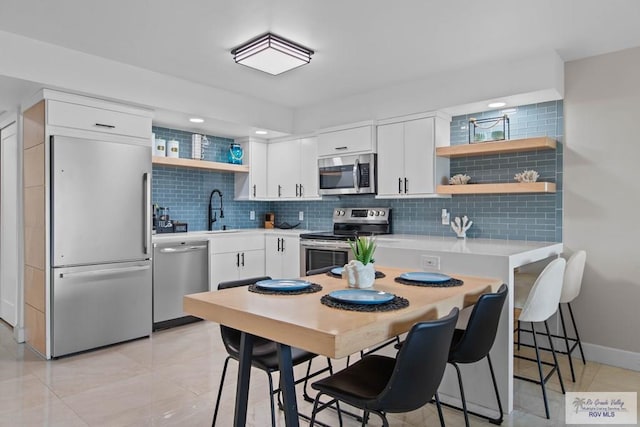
point(323, 244)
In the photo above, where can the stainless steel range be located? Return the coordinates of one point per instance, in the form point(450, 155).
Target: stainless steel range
point(324, 249)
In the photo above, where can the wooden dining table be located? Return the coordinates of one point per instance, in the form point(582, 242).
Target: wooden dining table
point(302, 321)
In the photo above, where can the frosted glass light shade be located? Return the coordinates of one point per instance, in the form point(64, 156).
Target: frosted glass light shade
point(272, 54)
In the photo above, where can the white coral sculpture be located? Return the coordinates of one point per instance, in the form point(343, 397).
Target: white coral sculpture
point(460, 226)
point(527, 176)
point(459, 179)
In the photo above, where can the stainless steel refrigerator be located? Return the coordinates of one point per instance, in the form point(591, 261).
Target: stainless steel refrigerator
point(100, 243)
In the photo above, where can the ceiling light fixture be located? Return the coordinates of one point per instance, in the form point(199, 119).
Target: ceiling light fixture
point(271, 54)
point(261, 132)
point(497, 104)
point(196, 120)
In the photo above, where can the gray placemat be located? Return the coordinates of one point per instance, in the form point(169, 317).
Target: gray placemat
point(310, 290)
point(395, 304)
point(379, 275)
point(448, 284)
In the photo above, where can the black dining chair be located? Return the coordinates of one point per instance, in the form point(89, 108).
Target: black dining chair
point(380, 384)
point(264, 357)
point(474, 343)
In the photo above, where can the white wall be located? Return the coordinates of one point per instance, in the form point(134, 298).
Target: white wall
point(602, 197)
point(60, 68)
point(528, 80)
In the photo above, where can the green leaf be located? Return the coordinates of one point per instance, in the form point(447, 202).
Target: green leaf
point(363, 249)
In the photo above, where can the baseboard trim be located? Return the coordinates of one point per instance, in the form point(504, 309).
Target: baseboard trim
point(610, 356)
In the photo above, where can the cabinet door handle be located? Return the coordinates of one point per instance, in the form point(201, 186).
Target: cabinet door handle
point(297, 190)
point(102, 125)
point(406, 185)
point(278, 245)
point(279, 190)
point(301, 194)
point(238, 259)
point(254, 190)
point(342, 148)
point(243, 259)
point(282, 245)
point(399, 185)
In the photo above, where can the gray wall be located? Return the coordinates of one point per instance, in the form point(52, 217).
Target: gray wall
point(602, 194)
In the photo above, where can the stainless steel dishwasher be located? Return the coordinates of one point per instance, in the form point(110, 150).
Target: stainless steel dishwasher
point(179, 268)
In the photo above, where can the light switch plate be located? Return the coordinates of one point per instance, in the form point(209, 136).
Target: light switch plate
point(301, 216)
point(252, 215)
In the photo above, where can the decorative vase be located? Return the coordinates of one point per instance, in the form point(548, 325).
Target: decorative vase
point(235, 155)
point(359, 275)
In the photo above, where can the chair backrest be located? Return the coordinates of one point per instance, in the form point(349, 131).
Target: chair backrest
point(573, 276)
point(321, 270)
point(544, 296)
point(477, 339)
point(230, 336)
point(419, 367)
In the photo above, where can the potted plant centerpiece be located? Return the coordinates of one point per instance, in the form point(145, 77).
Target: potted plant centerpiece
point(361, 272)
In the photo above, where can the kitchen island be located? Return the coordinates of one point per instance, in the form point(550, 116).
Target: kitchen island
point(477, 257)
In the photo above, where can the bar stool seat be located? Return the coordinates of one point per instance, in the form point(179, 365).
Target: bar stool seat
point(541, 303)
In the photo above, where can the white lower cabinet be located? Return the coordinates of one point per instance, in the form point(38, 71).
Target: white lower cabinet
point(282, 254)
point(235, 257)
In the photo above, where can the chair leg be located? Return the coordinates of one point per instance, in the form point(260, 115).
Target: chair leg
point(498, 420)
point(544, 390)
point(518, 335)
point(439, 407)
point(566, 342)
point(575, 329)
point(555, 357)
point(273, 405)
point(315, 410)
point(464, 401)
point(365, 417)
point(224, 373)
point(383, 417)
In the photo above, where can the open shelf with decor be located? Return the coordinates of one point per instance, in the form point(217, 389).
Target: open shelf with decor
point(499, 188)
point(497, 147)
point(199, 164)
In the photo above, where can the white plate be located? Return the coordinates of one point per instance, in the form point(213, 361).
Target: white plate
point(337, 271)
point(362, 296)
point(283, 284)
point(424, 276)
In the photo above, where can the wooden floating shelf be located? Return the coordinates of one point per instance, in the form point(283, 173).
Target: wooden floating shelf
point(498, 147)
point(199, 164)
point(498, 188)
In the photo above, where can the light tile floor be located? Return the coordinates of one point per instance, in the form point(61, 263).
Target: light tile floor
point(172, 379)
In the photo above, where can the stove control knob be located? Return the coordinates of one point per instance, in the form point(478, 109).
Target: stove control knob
point(371, 213)
point(377, 213)
point(382, 213)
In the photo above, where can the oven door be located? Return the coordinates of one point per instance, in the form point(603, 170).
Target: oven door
point(347, 175)
point(322, 253)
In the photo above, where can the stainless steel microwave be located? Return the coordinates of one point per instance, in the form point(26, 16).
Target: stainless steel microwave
point(354, 174)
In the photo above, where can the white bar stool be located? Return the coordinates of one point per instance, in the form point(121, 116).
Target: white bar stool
point(541, 303)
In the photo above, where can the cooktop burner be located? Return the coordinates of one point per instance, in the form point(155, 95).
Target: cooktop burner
point(351, 222)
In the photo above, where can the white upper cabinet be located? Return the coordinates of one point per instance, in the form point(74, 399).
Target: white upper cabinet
point(252, 185)
point(350, 139)
point(292, 169)
point(407, 165)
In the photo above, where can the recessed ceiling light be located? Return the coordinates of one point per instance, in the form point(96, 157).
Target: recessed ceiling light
point(497, 104)
point(196, 120)
point(261, 132)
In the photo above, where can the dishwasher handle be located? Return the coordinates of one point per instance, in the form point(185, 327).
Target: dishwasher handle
point(104, 272)
point(180, 249)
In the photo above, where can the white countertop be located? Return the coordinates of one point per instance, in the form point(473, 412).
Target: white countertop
point(206, 235)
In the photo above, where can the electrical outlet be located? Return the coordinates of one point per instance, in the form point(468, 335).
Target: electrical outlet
point(445, 217)
point(430, 262)
point(301, 216)
point(252, 215)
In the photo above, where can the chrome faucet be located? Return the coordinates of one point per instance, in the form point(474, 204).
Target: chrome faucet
point(212, 211)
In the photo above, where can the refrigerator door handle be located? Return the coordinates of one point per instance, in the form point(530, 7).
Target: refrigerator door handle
point(93, 273)
point(147, 215)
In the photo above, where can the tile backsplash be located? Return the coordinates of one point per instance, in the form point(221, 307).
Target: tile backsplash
point(536, 217)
